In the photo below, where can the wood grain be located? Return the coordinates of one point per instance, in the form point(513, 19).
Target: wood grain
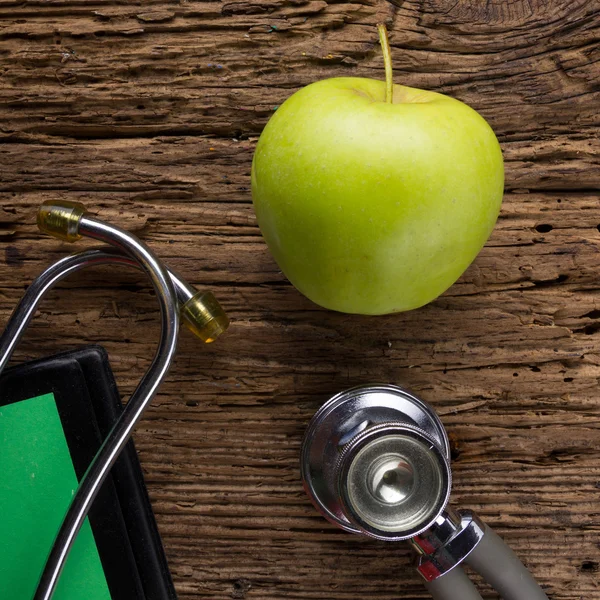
point(149, 113)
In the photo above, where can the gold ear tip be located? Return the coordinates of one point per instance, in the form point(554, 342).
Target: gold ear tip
point(204, 317)
point(60, 219)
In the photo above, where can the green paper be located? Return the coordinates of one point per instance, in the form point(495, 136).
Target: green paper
point(37, 482)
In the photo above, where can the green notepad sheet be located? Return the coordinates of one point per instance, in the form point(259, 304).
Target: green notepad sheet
point(37, 481)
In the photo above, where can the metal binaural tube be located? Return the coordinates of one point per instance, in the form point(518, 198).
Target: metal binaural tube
point(200, 311)
point(25, 310)
point(120, 433)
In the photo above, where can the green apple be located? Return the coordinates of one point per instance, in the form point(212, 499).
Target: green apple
point(374, 206)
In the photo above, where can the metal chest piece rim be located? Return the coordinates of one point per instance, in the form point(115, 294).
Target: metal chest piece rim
point(345, 430)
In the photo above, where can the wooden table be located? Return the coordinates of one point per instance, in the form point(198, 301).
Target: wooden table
point(149, 113)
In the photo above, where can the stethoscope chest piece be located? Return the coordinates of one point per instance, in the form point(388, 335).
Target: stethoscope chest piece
point(375, 460)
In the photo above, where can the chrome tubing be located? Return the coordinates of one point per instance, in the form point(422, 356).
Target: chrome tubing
point(36, 292)
point(121, 432)
point(448, 543)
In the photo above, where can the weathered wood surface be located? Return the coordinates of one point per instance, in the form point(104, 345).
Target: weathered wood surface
point(149, 113)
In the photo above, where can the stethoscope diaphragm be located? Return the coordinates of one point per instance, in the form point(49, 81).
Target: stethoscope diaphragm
point(375, 460)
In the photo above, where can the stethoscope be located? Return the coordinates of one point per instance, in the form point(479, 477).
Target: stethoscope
point(375, 459)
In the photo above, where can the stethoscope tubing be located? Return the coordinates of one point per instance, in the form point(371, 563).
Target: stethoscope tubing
point(494, 560)
point(454, 585)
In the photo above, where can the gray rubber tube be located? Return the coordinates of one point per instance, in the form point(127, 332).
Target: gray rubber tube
point(454, 585)
point(502, 569)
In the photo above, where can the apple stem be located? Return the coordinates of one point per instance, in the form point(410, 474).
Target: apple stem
point(387, 61)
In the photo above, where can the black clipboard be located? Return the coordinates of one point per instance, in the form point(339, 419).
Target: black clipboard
point(122, 521)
